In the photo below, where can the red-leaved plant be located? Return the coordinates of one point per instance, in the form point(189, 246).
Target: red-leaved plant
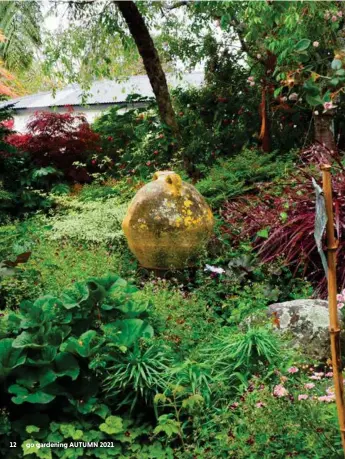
point(59, 140)
point(281, 224)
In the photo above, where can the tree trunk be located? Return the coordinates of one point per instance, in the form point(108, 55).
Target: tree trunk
point(265, 130)
point(149, 54)
point(324, 130)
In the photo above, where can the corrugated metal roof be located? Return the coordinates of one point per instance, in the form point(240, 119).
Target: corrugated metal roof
point(101, 92)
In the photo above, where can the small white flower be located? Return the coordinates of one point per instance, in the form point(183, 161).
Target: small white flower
point(214, 269)
point(293, 96)
point(316, 112)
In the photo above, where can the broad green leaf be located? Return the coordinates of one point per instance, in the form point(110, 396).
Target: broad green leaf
point(67, 365)
point(70, 431)
point(302, 45)
point(86, 345)
point(112, 425)
point(10, 357)
point(313, 101)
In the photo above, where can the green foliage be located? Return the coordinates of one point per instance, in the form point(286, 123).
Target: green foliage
point(135, 141)
point(242, 174)
point(239, 354)
point(20, 23)
point(88, 222)
point(139, 373)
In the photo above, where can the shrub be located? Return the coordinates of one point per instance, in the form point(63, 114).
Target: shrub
point(55, 353)
point(135, 141)
point(242, 174)
point(60, 140)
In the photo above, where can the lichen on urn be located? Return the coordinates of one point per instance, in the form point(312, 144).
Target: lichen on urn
point(168, 223)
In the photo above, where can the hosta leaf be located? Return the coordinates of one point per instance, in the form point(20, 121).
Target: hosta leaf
point(86, 345)
point(22, 395)
point(10, 357)
point(112, 425)
point(26, 340)
point(43, 356)
point(67, 365)
point(127, 331)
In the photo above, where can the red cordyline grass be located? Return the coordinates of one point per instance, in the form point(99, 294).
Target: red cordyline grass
point(289, 216)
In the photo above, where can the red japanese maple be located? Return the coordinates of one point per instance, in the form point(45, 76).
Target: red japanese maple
point(59, 140)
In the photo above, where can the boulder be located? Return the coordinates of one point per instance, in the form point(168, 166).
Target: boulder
point(307, 323)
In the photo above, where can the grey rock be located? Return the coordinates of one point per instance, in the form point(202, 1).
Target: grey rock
point(307, 324)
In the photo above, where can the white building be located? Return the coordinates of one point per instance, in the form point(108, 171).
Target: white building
point(102, 95)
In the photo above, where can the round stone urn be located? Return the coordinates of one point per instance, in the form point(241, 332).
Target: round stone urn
point(167, 223)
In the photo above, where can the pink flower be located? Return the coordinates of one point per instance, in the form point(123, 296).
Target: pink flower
point(252, 83)
point(330, 390)
point(309, 385)
point(251, 78)
point(260, 405)
point(329, 374)
point(148, 163)
point(334, 18)
point(341, 305)
point(328, 105)
point(280, 391)
point(292, 370)
point(340, 14)
point(326, 398)
point(319, 374)
point(303, 397)
point(340, 297)
point(316, 44)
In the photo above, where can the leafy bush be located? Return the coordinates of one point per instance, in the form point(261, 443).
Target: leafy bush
point(63, 141)
point(242, 174)
point(56, 352)
point(135, 141)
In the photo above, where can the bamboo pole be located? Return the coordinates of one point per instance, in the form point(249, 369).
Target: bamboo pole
point(334, 328)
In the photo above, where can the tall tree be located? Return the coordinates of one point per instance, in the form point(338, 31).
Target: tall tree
point(97, 53)
point(152, 63)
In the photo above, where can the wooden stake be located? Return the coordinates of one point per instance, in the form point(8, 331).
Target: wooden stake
point(334, 328)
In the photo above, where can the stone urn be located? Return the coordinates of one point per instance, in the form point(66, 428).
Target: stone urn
point(168, 223)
